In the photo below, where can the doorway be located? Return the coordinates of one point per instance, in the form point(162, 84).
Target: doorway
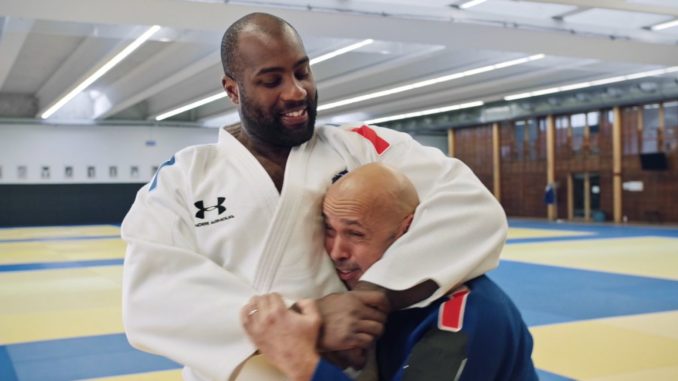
point(585, 191)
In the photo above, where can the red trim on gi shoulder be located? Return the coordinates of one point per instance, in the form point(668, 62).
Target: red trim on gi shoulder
point(451, 313)
point(380, 145)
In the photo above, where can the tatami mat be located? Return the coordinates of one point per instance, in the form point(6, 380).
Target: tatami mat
point(58, 251)
point(645, 256)
point(517, 233)
point(45, 305)
point(61, 232)
point(77, 358)
point(600, 300)
point(170, 375)
point(611, 349)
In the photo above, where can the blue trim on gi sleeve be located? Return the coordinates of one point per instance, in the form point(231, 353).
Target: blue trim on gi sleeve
point(168, 163)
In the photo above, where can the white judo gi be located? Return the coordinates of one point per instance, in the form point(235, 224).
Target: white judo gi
point(211, 230)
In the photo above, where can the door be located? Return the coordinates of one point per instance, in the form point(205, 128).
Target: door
point(586, 196)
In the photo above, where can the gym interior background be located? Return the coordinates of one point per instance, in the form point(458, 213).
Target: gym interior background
point(567, 110)
point(575, 95)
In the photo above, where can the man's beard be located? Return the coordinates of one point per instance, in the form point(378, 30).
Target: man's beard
point(267, 127)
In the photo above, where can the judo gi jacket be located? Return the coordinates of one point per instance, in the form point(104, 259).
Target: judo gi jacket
point(211, 230)
point(474, 334)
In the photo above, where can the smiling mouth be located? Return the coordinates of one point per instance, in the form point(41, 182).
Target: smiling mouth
point(295, 114)
point(295, 117)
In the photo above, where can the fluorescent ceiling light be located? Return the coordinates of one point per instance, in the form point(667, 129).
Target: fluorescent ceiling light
point(101, 71)
point(665, 25)
point(428, 82)
point(341, 51)
point(599, 82)
point(425, 112)
point(222, 94)
point(471, 3)
point(190, 106)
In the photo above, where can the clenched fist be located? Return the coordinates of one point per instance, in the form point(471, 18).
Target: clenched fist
point(350, 320)
point(286, 338)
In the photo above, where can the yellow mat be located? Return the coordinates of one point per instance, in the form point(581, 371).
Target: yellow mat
point(58, 231)
point(515, 233)
point(57, 251)
point(644, 256)
point(44, 305)
point(169, 375)
point(658, 374)
point(612, 349)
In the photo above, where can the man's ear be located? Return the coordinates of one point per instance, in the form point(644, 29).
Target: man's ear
point(405, 224)
point(231, 87)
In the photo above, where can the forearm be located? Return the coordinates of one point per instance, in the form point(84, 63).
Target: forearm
point(399, 299)
point(303, 368)
point(351, 319)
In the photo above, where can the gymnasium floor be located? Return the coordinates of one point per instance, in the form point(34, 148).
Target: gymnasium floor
point(601, 302)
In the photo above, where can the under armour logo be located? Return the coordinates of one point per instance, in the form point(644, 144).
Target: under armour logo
point(202, 209)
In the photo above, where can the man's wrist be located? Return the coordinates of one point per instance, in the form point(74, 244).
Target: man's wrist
point(388, 294)
point(304, 369)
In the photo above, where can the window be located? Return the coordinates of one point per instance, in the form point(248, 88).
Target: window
point(506, 131)
point(562, 122)
point(578, 131)
point(563, 136)
point(593, 121)
point(519, 131)
point(542, 138)
point(630, 122)
point(532, 138)
point(650, 128)
point(671, 126)
point(593, 124)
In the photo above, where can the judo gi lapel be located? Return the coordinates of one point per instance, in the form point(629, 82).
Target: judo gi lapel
point(282, 227)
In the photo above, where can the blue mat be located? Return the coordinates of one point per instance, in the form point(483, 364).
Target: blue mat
point(77, 358)
point(549, 294)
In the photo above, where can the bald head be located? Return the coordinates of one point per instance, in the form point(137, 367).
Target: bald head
point(260, 25)
point(385, 190)
point(365, 212)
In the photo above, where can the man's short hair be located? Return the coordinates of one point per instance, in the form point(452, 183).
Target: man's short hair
point(229, 43)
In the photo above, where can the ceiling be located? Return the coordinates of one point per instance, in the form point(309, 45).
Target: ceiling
point(49, 47)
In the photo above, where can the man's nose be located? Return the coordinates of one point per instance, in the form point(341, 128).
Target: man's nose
point(339, 250)
point(294, 91)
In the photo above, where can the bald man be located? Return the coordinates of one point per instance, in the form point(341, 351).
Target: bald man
point(473, 333)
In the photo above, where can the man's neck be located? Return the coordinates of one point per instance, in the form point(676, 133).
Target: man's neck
point(272, 158)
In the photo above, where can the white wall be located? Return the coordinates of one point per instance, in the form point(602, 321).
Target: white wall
point(437, 141)
point(102, 147)
point(80, 147)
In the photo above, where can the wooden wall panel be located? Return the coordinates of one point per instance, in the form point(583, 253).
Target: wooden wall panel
point(523, 164)
point(658, 201)
point(523, 175)
point(473, 146)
